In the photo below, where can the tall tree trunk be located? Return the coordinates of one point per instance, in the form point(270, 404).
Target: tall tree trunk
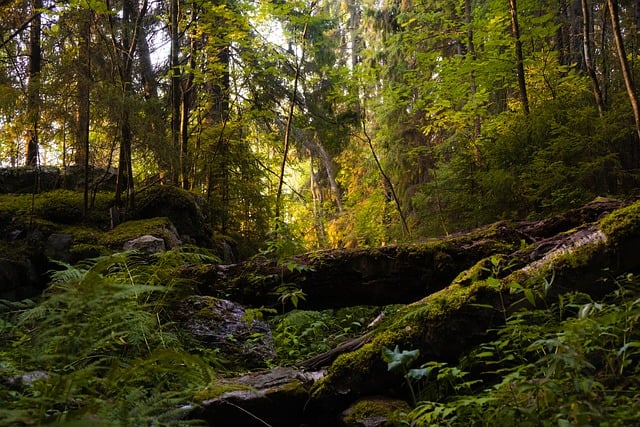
point(218, 177)
point(515, 30)
point(175, 85)
point(471, 49)
point(83, 113)
point(33, 89)
point(624, 63)
point(131, 21)
point(586, 38)
point(186, 90)
point(149, 81)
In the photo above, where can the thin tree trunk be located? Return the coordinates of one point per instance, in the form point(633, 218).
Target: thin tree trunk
point(33, 89)
point(318, 217)
point(588, 61)
point(327, 162)
point(472, 78)
point(175, 86)
point(287, 130)
point(515, 30)
point(386, 179)
point(186, 89)
point(83, 113)
point(624, 63)
point(146, 68)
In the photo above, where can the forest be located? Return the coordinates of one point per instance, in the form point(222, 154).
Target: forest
point(326, 164)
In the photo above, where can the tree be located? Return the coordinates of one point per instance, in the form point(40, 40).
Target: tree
point(33, 89)
point(624, 63)
point(515, 30)
point(588, 61)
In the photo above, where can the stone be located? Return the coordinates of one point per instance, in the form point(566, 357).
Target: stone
point(276, 397)
point(57, 247)
point(224, 325)
point(147, 243)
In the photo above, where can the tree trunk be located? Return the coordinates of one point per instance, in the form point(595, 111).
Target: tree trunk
point(287, 130)
point(33, 89)
point(586, 47)
point(624, 63)
point(522, 82)
point(83, 113)
point(131, 21)
point(174, 61)
point(186, 90)
point(390, 274)
point(471, 50)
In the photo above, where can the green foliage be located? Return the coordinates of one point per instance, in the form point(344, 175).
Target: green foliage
point(565, 365)
point(301, 334)
point(98, 347)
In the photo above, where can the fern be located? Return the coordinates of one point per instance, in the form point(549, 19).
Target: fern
point(106, 352)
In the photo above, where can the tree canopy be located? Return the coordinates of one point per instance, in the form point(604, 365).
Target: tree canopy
point(352, 122)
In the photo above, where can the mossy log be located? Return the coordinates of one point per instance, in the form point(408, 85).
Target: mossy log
point(445, 324)
point(397, 274)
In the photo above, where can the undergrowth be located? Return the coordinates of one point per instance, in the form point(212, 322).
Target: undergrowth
point(572, 364)
point(301, 334)
point(98, 349)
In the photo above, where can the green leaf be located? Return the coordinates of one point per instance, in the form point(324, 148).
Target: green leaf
point(417, 374)
point(396, 358)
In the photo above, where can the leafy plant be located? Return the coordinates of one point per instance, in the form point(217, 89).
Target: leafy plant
point(572, 363)
point(98, 347)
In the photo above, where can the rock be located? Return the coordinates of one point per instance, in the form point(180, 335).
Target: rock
point(179, 206)
point(224, 325)
point(58, 246)
point(23, 278)
point(375, 411)
point(148, 244)
point(276, 397)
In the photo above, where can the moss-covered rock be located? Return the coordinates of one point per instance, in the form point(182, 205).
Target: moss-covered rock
point(160, 227)
point(374, 412)
point(176, 204)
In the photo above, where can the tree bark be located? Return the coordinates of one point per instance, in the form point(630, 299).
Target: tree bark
point(522, 82)
point(588, 61)
point(174, 60)
point(83, 113)
point(33, 88)
point(624, 63)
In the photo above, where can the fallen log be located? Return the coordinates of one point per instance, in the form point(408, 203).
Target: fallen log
point(397, 274)
point(446, 324)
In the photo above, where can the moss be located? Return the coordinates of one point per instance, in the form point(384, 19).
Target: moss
point(84, 251)
point(365, 409)
point(406, 329)
point(134, 229)
point(174, 203)
point(623, 223)
point(217, 388)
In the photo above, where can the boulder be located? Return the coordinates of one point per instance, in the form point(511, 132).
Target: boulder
point(57, 247)
point(148, 244)
point(276, 398)
point(244, 341)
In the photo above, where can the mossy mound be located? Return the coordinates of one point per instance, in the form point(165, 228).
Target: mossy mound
point(176, 204)
point(160, 227)
point(374, 411)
